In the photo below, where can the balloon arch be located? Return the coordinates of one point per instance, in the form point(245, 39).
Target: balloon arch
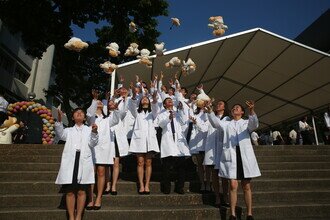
point(48, 130)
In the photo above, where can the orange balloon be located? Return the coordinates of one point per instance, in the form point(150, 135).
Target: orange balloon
point(44, 142)
point(24, 107)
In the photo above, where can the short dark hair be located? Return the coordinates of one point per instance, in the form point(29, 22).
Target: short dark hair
point(185, 89)
point(79, 109)
point(243, 109)
point(165, 101)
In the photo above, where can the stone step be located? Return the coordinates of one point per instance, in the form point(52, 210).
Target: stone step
point(57, 159)
point(296, 210)
point(158, 199)
point(168, 212)
point(19, 166)
point(126, 187)
point(16, 176)
point(132, 200)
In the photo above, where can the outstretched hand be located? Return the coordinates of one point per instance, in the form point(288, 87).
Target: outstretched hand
point(95, 94)
point(250, 105)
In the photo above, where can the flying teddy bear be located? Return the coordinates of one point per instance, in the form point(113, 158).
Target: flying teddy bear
point(145, 58)
point(132, 50)
point(202, 98)
point(7, 128)
point(175, 22)
point(108, 67)
point(132, 27)
point(113, 49)
point(75, 44)
point(188, 67)
point(218, 26)
point(174, 62)
point(159, 49)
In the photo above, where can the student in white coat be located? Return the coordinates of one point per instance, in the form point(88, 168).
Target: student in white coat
point(238, 161)
point(174, 147)
point(213, 150)
point(118, 139)
point(76, 169)
point(103, 157)
point(144, 140)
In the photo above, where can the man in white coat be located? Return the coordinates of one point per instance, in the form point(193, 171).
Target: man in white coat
point(174, 147)
point(238, 161)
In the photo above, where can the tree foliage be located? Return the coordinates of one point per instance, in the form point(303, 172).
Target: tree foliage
point(46, 22)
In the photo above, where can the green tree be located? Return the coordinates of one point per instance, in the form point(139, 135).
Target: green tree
point(46, 22)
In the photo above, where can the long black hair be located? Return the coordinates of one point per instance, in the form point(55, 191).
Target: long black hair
point(140, 108)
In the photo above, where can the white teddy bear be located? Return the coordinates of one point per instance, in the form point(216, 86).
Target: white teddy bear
point(159, 49)
point(132, 50)
point(75, 44)
point(188, 67)
point(113, 49)
point(218, 26)
point(132, 27)
point(145, 58)
point(108, 67)
point(175, 22)
point(174, 62)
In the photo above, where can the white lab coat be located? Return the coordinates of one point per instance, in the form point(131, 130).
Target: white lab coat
point(240, 133)
point(169, 147)
point(327, 120)
point(86, 167)
point(198, 133)
point(213, 144)
point(103, 153)
point(144, 137)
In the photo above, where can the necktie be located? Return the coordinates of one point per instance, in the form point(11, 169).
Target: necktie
point(190, 127)
point(172, 127)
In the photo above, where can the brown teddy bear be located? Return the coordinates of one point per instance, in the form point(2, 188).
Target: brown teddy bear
point(8, 127)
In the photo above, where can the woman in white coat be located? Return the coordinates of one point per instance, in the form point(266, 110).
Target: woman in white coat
point(196, 137)
point(76, 169)
point(144, 140)
point(103, 157)
point(213, 150)
point(174, 147)
point(238, 161)
point(119, 143)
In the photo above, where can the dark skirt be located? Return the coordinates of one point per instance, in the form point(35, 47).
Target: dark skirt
point(116, 148)
point(74, 186)
point(239, 165)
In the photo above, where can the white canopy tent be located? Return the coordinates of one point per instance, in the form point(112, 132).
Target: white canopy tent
point(285, 78)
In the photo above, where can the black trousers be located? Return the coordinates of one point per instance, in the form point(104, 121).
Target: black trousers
point(178, 164)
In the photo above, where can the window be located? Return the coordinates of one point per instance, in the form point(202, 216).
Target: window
point(21, 73)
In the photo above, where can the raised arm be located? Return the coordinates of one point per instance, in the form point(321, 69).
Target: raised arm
point(253, 119)
point(61, 133)
point(94, 136)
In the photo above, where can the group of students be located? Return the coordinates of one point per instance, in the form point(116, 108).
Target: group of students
point(130, 122)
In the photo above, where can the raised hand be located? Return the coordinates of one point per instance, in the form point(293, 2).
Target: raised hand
point(161, 75)
point(95, 94)
point(107, 95)
point(250, 105)
point(200, 87)
point(94, 128)
point(155, 77)
point(121, 79)
point(171, 82)
point(137, 78)
point(59, 115)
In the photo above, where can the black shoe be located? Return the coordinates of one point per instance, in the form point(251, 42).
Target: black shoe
point(224, 204)
point(96, 207)
point(146, 192)
point(89, 207)
point(232, 217)
point(114, 193)
point(249, 217)
point(106, 192)
point(141, 193)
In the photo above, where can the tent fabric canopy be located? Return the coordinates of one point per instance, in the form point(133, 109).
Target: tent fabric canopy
point(285, 78)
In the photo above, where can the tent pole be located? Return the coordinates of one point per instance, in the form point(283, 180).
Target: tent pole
point(314, 128)
point(112, 88)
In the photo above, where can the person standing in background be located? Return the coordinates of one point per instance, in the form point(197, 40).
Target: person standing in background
point(305, 129)
point(255, 138)
point(3, 108)
point(293, 136)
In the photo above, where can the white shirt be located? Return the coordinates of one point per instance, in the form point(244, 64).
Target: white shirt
point(327, 119)
point(303, 126)
point(3, 104)
point(254, 136)
point(79, 138)
point(293, 134)
point(275, 134)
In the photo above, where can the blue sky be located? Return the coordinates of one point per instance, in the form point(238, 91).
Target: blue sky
point(284, 17)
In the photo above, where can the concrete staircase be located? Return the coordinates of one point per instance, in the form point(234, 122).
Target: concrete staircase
point(295, 184)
